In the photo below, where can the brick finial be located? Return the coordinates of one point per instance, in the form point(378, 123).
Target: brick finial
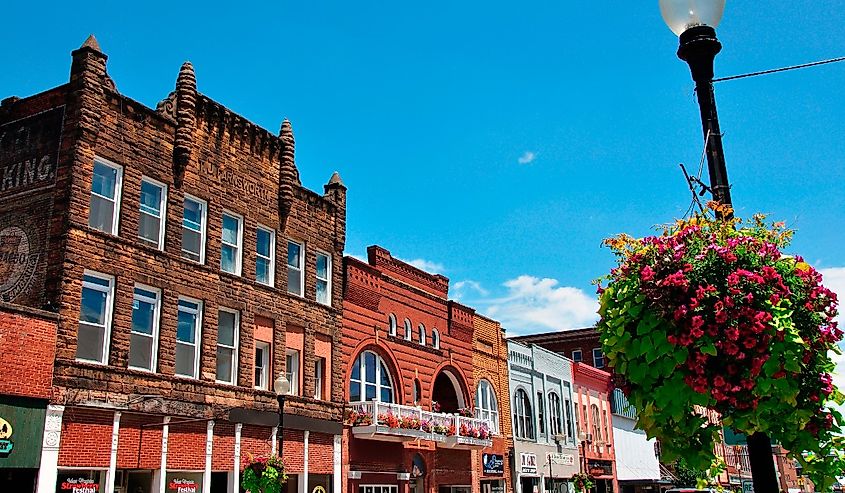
point(186, 102)
point(91, 42)
point(288, 174)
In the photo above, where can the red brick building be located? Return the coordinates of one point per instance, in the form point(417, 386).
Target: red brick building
point(408, 354)
point(592, 401)
point(189, 269)
point(28, 337)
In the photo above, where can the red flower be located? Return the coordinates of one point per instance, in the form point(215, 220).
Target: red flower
point(646, 274)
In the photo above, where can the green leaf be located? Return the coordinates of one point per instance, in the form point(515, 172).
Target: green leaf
point(709, 348)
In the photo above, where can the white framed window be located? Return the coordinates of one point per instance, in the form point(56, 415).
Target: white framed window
point(193, 229)
point(153, 211)
point(541, 414)
point(292, 370)
point(188, 324)
point(391, 324)
point(486, 406)
point(555, 421)
point(378, 488)
point(319, 372)
point(523, 420)
point(598, 358)
point(265, 255)
point(435, 339)
point(95, 318)
point(577, 356)
point(228, 323)
point(104, 206)
point(143, 339)
point(421, 330)
point(232, 239)
point(296, 274)
point(570, 431)
point(408, 330)
point(370, 380)
point(262, 365)
point(324, 278)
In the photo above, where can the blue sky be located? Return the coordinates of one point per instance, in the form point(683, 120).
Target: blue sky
point(494, 142)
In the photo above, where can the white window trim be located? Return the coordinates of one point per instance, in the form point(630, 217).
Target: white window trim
point(422, 334)
point(435, 338)
point(235, 347)
point(264, 384)
point(319, 374)
point(162, 211)
point(239, 246)
point(294, 378)
point(203, 221)
point(391, 324)
point(409, 330)
point(301, 268)
point(118, 192)
point(107, 319)
point(603, 363)
point(362, 380)
point(491, 412)
point(156, 327)
point(391, 488)
point(556, 422)
point(197, 336)
point(580, 355)
point(271, 275)
point(328, 256)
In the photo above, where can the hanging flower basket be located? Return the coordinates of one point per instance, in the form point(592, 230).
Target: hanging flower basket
point(583, 482)
point(263, 474)
point(710, 316)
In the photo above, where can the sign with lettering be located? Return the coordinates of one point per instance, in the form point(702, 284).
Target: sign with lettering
point(493, 463)
point(237, 182)
point(528, 463)
point(747, 486)
point(562, 459)
point(6, 443)
point(29, 151)
point(183, 485)
point(80, 485)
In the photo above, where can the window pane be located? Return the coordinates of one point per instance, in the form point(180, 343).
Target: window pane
point(192, 216)
point(322, 267)
point(185, 360)
point(294, 253)
point(191, 244)
point(227, 259)
point(90, 342)
point(186, 327)
point(230, 229)
point(226, 328)
point(356, 369)
point(149, 228)
point(224, 364)
point(101, 214)
point(93, 307)
point(386, 395)
point(323, 292)
point(370, 367)
point(371, 392)
point(262, 242)
point(143, 313)
point(140, 351)
point(355, 391)
point(385, 376)
point(262, 270)
point(294, 282)
point(104, 181)
point(151, 198)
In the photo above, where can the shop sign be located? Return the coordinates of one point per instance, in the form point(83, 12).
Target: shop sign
point(318, 489)
point(528, 463)
point(747, 486)
point(6, 444)
point(493, 463)
point(183, 485)
point(80, 485)
point(597, 471)
point(562, 459)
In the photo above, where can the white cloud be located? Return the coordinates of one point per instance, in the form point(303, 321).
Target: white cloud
point(527, 157)
point(426, 265)
point(461, 289)
point(534, 304)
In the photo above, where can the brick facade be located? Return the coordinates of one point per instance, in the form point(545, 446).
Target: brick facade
point(29, 338)
point(377, 292)
point(192, 146)
point(595, 419)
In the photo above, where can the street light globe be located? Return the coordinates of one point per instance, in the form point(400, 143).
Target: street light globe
point(681, 15)
point(281, 385)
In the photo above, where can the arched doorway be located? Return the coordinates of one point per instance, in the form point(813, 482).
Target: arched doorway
point(448, 392)
point(417, 482)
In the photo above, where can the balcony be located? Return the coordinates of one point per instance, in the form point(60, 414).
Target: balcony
point(396, 423)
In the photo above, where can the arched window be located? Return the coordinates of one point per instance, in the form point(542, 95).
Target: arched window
point(408, 330)
point(555, 421)
point(421, 329)
point(370, 379)
point(391, 324)
point(486, 406)
point(435, 339)
point(417, 392)
point(523, 420)
point(594, 410)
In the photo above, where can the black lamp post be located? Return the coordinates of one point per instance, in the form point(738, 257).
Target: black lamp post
point(695, 21)
point(282, 388)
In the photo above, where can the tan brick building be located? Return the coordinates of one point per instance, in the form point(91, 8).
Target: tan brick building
point(492, 398)
point(189, 269)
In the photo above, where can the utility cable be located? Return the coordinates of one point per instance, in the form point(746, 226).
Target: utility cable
point(784, 69)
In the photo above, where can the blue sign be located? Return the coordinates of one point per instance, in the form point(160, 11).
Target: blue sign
point(493, 463)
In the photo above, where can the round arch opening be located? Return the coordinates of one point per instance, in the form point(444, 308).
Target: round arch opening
point(448, 392)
